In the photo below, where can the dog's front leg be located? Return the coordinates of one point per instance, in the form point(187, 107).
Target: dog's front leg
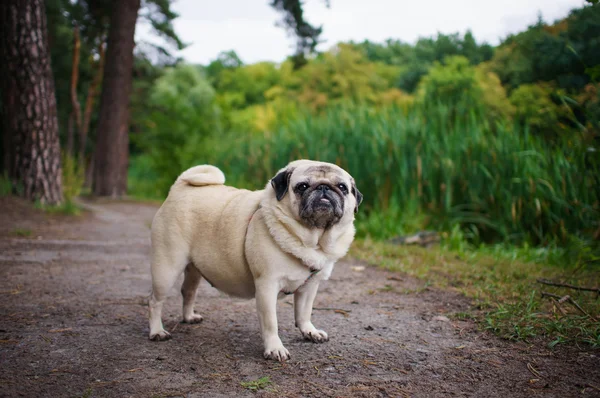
point(303, 304)
point(266, 305)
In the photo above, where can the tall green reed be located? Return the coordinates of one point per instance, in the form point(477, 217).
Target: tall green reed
point(430, 166)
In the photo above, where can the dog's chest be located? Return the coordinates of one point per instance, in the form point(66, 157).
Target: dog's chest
point(301, 280)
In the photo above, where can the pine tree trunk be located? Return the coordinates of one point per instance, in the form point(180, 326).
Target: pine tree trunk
point(112, 145)
point(75, 116)
point(89, 104)
point(32, 149)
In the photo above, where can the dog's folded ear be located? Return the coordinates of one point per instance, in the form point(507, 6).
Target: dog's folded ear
point(357, 195)
point(281, 182)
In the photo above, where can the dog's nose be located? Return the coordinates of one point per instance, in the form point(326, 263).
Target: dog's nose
point(323, 187)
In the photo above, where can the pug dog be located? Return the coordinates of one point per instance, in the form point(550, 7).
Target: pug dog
point(284, 239)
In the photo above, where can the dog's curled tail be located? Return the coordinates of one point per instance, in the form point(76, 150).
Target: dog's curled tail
point(202, 175)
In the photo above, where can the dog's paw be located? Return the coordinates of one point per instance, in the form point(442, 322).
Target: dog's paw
point(163, 335)
point(316, 336)
point(280, 354)
point(194, 318)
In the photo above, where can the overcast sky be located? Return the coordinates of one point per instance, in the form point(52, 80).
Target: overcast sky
point(248, 26)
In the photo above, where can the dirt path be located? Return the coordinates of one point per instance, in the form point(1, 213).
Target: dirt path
point(73, 323)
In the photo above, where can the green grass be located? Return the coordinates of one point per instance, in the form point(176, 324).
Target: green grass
point(87, 393)
point(5, 185)
point(67, 208)
point(503, 286)
point(22, 232)
point(256, 385)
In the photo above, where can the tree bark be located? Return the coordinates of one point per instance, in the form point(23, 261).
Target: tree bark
point(112, 146)
point(75, 116)
point(32, 149)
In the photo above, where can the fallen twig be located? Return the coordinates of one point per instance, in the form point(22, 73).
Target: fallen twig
point(64, 371)
point(592, 386)
point(556, 296)
point(558, 306)
point(533, 370)
point(330, 309)
point(569, 299)
point(60, 330)
point(551, 283)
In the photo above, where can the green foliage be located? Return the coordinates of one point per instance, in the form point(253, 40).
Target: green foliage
point(559, 52)
point(226, 60)
point(142, 178)
point(550, 71)
point(342, 75)
point(500, 184)
point(256, 385)
point(515, 321)
point(494, 98)
point(453, 82)
point(397, 219)
point(250, 82)
point(6, 186)
point(459, 85)
point(534, 105)
point(589, 104)
point(65, 208)
point(456, 240)
point(21, 232)
point(416, 60)
point(73, 177)
point(181, 115)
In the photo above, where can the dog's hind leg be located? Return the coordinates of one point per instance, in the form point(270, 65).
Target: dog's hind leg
point(188, 291)
point(165, 270)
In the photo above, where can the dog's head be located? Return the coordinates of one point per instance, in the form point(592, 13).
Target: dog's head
point(318, 194)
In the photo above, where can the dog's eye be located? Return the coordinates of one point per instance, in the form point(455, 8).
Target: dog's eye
point(302, 187)
point(343, 187)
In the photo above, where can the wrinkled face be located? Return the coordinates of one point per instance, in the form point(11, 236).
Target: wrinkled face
point(320, 194)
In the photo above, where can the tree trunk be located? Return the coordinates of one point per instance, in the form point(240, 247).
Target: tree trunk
point(75, 116)
point(112, 146)
point(32, 151)
point(89, 103)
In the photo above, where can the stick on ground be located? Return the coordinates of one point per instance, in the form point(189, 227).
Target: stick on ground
point(567, 298)
point(551, 283)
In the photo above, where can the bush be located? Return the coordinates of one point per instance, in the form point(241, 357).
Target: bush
point(535, 106)
point(182, 115)
point(73, 177)
point(464, 88)
point(452, 82)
